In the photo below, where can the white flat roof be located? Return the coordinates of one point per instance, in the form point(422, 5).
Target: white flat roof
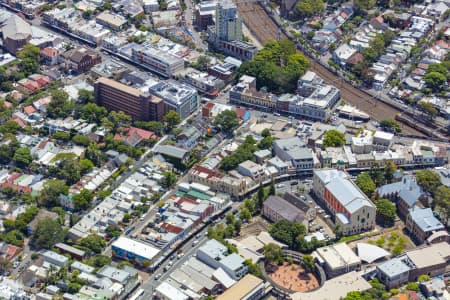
point(338, 255)
point(370, 253)
point(138, 248)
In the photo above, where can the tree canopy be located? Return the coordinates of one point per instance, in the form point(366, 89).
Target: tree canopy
point(60, 106)
point(365, 183)
point(428, 180)
point(391, 125)
point(272, 253)
point(277, 66)
point(243, 152)
point(169, 179)
point(47, 233)
point(93, 243)
point(227, 120)
point(307, 8)
point(172, 119)
point(333, 138)
point(386, 212)
point(287, 232)
point(22, 157)
point(50, 193)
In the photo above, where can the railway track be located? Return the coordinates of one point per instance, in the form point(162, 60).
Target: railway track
point(256, 19)
point(264, 29)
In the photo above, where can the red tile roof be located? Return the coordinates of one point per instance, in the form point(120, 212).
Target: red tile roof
point(49, 52)
point(29, 109)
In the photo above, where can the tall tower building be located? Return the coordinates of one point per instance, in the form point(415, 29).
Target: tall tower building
point(228, 23)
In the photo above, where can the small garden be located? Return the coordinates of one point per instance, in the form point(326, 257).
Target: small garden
point(393, 242)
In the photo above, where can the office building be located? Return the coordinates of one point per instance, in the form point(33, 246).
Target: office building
point(216, 256)
point(177, 96)
point(116, 96)
point(351, 208)
point(133, 251)
point(294, 151)
point(156, 60)
point(113, 21)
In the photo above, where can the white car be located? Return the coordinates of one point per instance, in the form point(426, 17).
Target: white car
point(281, 185)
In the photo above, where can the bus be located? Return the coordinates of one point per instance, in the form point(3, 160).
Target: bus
point(137, 296)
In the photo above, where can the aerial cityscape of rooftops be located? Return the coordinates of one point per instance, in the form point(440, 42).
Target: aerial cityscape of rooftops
point(224, 149)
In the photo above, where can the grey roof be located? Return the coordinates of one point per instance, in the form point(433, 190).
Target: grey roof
point(424, 218)
point(114, 274)
point(410, 197)
point(408, 183)
point(287, 210)
point(263, 153)
point(290, 143)
point(348, 194)
point(395, 266)
point(233, 261)
point(16, 28)
point(171, 151)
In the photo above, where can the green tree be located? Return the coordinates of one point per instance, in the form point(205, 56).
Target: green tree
point(423, 278)
point(365, 183)
point(429, 109)
point(50, 193)
point(354, 296)
point(273, 253)
point(9, 127)
point(93, 243)
point(155, 126)
point(245, 214)
point(91, 112)
point(435, 80)
point(29, 57)
point(60, 106)
point(119, 119)
point(113, 231)
point(82, 200)
point(428, 180)
point(172, 119)
point(227, 120)
point(61, 135)
point(364, 4)
point(5, 265)
point(85, 165)
point(260, 197)
point(272, 189)
point(442, 201)
point(99, 260)
point(307, 8)
point(308, 263)
point(80, 140)
point(412, 286)
point(85, 96)
point(22, 157)
point(390, 125)
point(47, 233)
point(386, 212)
point(169, 179)
point(202, 63)
point(287, 232)
point(277, 66)
point(333, 138)
point(389, 169)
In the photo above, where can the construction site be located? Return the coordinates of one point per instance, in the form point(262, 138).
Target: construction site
point(264, 28)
